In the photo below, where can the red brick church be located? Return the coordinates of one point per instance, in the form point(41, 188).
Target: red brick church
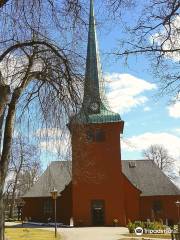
point(97, 187)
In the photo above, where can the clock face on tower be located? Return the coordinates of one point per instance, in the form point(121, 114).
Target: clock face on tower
point(94, 106)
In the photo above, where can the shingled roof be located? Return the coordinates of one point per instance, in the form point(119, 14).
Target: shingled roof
point(144, 174)
point(148, 177)
point(57, 174)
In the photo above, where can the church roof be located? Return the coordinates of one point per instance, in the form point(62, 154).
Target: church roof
point(144, 174)
point(148, 177)
point(94, 90)
point(57, 174)
point(103, 116)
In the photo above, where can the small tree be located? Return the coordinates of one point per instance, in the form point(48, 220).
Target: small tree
point(24, 168)
point(159, 154)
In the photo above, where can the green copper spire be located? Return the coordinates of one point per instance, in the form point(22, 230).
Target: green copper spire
point(93, 76)
point(95, 108)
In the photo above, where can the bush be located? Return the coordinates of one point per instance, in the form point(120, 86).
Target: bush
point(148, 225)
point(155, 225)
point(131, 227)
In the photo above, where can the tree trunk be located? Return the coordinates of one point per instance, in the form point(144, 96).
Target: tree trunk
point(4, 97)
point(11, 210)
point(1, 127)
point(8, 134)
point(2, 237)
point(4, 160)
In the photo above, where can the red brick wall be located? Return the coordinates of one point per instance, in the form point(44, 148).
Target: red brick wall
point(97, 174)
point(34, 207)
point(169, 208)
point(64, 209)
point(132, 201)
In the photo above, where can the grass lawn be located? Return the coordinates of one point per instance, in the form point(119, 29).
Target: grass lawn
point(29, 234)
point(133, 235)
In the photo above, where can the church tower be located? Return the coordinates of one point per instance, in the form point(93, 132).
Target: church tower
point(97, 180)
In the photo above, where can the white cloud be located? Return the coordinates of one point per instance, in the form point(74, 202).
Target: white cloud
point(177, 131)
point(52, 146)
point(125, 91)
point(55, 141)
point(61, 148)
point(13, 68)
point(174, 110)
point(147, 109)
point(169, 141)
point(48, 133)
point(143, 141)
point(172, 43)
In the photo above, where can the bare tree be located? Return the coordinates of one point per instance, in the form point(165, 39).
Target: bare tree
point(53, 82)
point(29, 176)
point(24, 168)
point(153, 32)
point(160, 156)
point(37, 67)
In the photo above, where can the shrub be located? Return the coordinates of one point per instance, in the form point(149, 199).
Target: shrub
point(155, 225)
point(139, 224)
point(131, 227)
point(148, 225)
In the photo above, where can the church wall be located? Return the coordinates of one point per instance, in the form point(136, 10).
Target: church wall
point(164, 208)
point(34, 207)
point(132, 201)
point(97, 174)
point(64, 209)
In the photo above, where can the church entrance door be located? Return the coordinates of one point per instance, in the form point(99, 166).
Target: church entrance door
point(98, 212)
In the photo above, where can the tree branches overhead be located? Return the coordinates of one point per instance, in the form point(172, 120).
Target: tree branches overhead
point(155, 32)
point(40, 69)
